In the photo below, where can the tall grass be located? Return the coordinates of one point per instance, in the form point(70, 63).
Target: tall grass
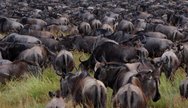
point(32, 92)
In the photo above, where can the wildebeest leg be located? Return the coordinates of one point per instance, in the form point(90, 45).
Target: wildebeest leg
point(167, 74)
point(2, 80)
point(74, 104)
point(84, 106)
point(186, 70)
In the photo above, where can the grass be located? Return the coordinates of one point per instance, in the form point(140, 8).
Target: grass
point(32, 92)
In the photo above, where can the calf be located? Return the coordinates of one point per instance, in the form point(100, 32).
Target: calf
point(56, 101)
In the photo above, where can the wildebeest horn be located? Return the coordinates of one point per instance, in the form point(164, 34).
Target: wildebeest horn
point(58, 73)
point(97, 65)
point(49, 52)
point(80, 58)
point(51, 94)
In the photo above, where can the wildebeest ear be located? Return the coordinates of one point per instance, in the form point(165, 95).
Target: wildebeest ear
point(58, 93)
point(51, 94)
point(180, 47)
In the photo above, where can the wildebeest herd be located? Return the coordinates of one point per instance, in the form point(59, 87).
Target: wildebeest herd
point(130, 44)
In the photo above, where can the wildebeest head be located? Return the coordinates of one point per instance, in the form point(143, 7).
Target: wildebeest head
point(87, 64)
point(142, 52)
point(148, 84)
point(67, 84)
point(154, 66)
point(56, 100)
point(106, 72)
point(70, 42)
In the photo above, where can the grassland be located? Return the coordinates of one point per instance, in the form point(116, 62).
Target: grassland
point(32, 92)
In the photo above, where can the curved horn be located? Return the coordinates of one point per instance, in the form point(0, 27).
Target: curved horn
point(80, 59)
point(58, 73)
point(49, 52)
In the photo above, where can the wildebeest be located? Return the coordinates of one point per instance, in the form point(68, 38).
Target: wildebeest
point(156, 46)
point(109, 52)
point(64, 62)
point(112, 74)
point(107, 27)
point(126, 26)
point(56, 101)
point(171, 32)
point(85, 90)
point(183, 88)
point(59, 21)
point(13, 70)
point(119, 36)
point(38, 34)
point(9, 25)
point(86, 44)
point(116, 75)
point(51, 44)
point(108, 20)
point(84, 28)
point(129, 96)
point(182, 54)
point(11, 50)
point(3, 61)
point(17, 38)
point(156, 35)
point(170, 63)
point(96, 24)
point(33, 21)
point(39, 54)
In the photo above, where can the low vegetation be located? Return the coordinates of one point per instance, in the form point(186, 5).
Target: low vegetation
point(32, 92)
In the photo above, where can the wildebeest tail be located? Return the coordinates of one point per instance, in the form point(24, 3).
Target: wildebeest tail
point(96, 99)
point(127, 99)
point(102, 97)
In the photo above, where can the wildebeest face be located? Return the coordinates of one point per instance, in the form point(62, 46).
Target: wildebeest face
point(64, 88)
point(56, 100)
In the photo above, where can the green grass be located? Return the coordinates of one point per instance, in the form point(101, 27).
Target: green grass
point(32, 92)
